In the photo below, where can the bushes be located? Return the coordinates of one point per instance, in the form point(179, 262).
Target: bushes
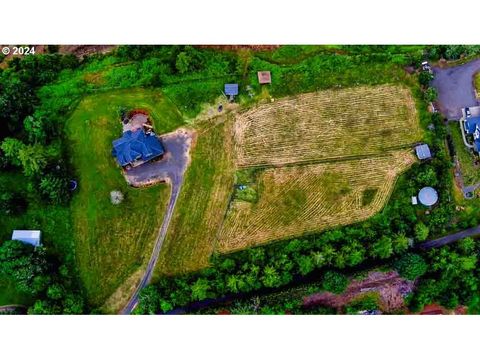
point(334, 282)
point(411, 266)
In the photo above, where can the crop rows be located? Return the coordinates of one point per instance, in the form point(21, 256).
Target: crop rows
point(330, 124)
point(302, 199)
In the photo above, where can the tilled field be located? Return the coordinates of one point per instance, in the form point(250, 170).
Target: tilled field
point(296, 200)
point(330, 124)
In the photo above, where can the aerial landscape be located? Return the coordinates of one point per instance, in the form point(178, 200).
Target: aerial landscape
point(240, 179)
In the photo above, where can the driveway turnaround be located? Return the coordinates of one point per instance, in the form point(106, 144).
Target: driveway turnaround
point(170, 169)
point(455, 88)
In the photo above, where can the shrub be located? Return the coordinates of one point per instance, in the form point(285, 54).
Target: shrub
point(334, 282)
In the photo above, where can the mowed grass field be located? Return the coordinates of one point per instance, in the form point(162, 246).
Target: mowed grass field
point(113, 242)
point(470, 173)
point(325, 125)
point(203, 200)
point(296, 200)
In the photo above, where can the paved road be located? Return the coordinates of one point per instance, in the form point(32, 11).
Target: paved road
point(170, 169)
point(455, 88)
point(445, 240)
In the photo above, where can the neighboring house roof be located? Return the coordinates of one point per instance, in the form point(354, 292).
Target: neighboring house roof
point(428, 196)
point(471, 124)
point(423, 152)
point(31, 237)
point(136, 146)
point(231, 89)
point(264, 77)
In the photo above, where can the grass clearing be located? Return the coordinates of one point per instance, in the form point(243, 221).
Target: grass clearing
point(112, 242)
point(476, 83)
point(202, 202)
point(297, 200)
point(9, 295)
point(329, 124)
point(470, 172)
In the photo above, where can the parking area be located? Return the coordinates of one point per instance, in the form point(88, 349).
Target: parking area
point(455, 88)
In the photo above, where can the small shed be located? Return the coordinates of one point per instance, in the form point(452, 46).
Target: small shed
point(428, 196)
point(231, 90)
point(264, 77)
point(423, 152)
point(30, 237)
point(414, 200)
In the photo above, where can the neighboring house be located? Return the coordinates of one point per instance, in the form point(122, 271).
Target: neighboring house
point(472, 127)
point(30, 237)
point(423, 152)
point(136, 147)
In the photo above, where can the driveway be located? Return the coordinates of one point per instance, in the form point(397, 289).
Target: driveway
point(455, 88)
point(170, 169)
point(475, 231)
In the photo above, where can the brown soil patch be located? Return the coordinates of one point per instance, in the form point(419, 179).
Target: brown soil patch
point(390, 287)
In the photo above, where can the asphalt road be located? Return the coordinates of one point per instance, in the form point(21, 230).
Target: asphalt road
point(455, 88)
point(171, 169)
point(445, 240)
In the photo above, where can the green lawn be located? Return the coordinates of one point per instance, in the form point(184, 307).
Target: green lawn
point(202, 202)
point(471, 174)
point(112, 242)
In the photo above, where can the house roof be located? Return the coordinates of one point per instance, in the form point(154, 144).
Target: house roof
point(264, 77)
point(471, 124)
point(31, 237)
point(428, 196)
point(136, 145)
point(231, 89)
point(423, 152)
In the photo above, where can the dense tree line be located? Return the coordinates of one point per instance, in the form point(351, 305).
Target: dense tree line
point(38, 275)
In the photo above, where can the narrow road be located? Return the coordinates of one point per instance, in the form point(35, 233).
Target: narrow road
point(445, 240)
point(171, 169)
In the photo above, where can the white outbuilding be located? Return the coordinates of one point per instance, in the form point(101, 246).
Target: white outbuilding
point(30, 237)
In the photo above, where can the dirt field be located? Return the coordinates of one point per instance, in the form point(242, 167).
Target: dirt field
point(295, 200)
point(329, 124)
point(390, 287)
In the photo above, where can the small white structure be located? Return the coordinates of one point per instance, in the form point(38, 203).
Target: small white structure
point(414, 200)
point(30, 237)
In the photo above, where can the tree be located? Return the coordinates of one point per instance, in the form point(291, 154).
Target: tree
point(183, 63)
point(34, 129)
point(334, 282)
point(382, 248)
point(400, 243)
point(11, 148)
point(425, 77)
point(431, 94)
point(200, 289)
point(305, 264)
point(421, 231)
point(270, 277)
point(33, 159)
point(411, 266)
point(54, 188)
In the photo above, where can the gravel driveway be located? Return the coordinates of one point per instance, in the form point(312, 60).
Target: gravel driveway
point(455, 88)
point(171, 168)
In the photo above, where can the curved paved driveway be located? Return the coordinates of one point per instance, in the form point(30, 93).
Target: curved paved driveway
point(170, 169)
point(455, 88)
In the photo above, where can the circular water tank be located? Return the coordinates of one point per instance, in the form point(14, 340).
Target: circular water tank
point(428, 196)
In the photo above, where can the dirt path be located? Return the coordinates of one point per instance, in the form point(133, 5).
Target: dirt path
point(171, 170)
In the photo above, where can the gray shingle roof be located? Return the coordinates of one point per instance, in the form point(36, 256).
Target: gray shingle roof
point(423, 152)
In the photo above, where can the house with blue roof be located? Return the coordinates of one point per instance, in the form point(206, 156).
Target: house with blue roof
point(472, 127)
point(136, 147)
